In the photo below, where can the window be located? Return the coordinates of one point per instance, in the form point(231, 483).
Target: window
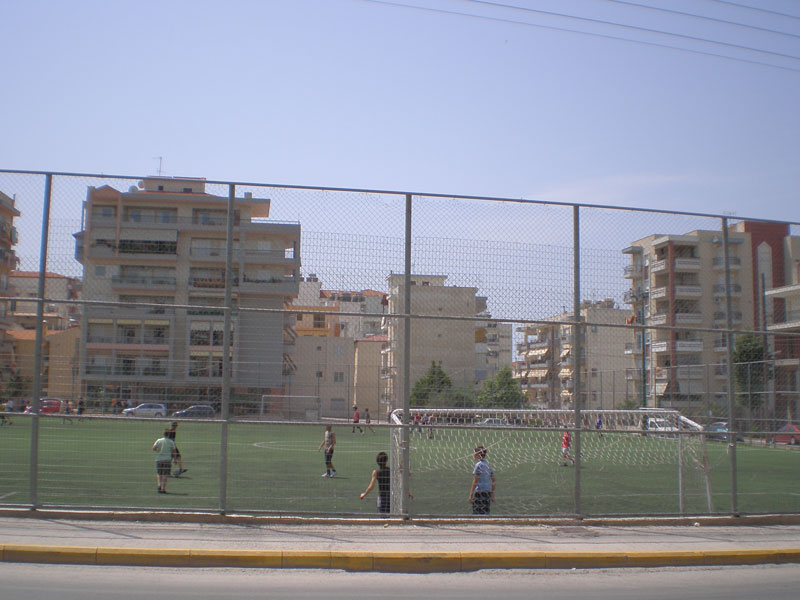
point(319, 321)
point(338, 377)
point(594, 372)
point(99, 271)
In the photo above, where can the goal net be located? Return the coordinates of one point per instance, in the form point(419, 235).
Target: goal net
point(633, 461)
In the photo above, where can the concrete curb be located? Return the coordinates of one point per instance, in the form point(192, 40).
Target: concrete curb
point(396, 562)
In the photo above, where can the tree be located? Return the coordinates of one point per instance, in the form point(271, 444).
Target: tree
point(432, 388)
point(749, 374)
point(502, 391)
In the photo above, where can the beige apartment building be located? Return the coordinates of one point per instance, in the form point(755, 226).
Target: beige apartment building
point(335, 353)
point(57, 315)
point(8, 262)
point(678, 283)
point(546, 358)
point(160, 249)
point(451, 342)
point(786, 320)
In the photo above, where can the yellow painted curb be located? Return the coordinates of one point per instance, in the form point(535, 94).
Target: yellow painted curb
point(417, 562)
point(68, 555)
point(149, 557)
point(397, 562)
point(474, 561)
point(261, 559)
point(352, 561)
point(300, 559)
point(668, 558)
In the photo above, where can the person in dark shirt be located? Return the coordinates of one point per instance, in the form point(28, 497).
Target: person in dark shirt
point(381, 475)
point(170, 433)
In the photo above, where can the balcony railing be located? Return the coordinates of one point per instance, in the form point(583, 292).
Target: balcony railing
point(734, 262)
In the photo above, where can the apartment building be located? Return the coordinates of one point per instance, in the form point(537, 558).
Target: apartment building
point(8, 262)
point(546, 358)
point(330, 357)
point(159, 249)
point(786, 348)
point(451, 342)
point(58, 313)
point(678, 283)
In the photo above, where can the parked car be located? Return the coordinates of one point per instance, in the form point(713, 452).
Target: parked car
point(48, 406)
point(148, 409)
point(719, 431)
point(788, 434)
point(198, 411)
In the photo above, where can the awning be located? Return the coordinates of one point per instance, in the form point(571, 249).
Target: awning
point(565, 352)
point(538, 373)
point(661, 388)
point(538, 351)
point(565, 373)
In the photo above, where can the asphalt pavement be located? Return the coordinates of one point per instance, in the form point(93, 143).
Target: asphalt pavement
point(392, 546)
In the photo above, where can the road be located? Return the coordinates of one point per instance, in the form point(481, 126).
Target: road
point(65, 582)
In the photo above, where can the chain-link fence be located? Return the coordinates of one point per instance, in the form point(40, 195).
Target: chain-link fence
point(255, 314)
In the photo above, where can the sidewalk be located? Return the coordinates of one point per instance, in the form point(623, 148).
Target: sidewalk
point(395, 546)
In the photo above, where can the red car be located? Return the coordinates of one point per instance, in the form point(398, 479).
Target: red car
point(788, 434)
point(47, 406)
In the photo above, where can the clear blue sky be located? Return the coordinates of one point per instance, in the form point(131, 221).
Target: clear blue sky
point(358, 93)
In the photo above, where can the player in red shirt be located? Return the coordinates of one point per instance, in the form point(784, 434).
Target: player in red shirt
point(566, 442)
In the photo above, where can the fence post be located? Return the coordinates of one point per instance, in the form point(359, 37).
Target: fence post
point(406, 387)
point(577, 333)
point(226, 359)
point(729, 334)
point(37, 351)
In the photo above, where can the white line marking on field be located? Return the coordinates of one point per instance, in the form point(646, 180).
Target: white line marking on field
point(3, 497)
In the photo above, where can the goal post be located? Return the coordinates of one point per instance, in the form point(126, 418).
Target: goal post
point(646, 441)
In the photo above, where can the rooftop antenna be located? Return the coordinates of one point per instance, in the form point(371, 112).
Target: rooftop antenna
point(160, 164)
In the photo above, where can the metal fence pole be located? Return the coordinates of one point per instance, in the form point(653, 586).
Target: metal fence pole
point(404, 429)
point(37, 350)
point(578, 340)
point(729, 334)
point(226, 359)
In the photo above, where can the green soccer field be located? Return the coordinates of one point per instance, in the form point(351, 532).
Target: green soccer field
point(276, 468)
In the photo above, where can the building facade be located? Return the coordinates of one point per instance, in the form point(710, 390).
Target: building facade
point(678, 286)
point(159, 249)
point(8, 263)
point(546, 358)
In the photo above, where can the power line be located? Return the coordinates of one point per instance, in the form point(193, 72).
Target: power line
point(592, 34)
point(764, 10)
point(634, 27)
point(704, 18)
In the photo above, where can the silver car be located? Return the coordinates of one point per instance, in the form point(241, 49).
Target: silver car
point(148, 409)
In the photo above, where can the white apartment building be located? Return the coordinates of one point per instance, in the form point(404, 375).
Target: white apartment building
point(161, 248)
point(678, 282)
point(546, 358)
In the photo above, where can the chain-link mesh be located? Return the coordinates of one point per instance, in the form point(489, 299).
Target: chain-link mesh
point(323, 304)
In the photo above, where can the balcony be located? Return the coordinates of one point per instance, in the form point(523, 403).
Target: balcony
point(734, 261)
point(687, 264)
point(146, 281)
point(632, 271)
point(688, 291)
point(721, 345)
point(688, 318)
point(720, 317)
point(735, 289)
point(282, 286)
point(689, 346)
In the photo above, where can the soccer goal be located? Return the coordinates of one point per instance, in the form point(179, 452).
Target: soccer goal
point(633, 461)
